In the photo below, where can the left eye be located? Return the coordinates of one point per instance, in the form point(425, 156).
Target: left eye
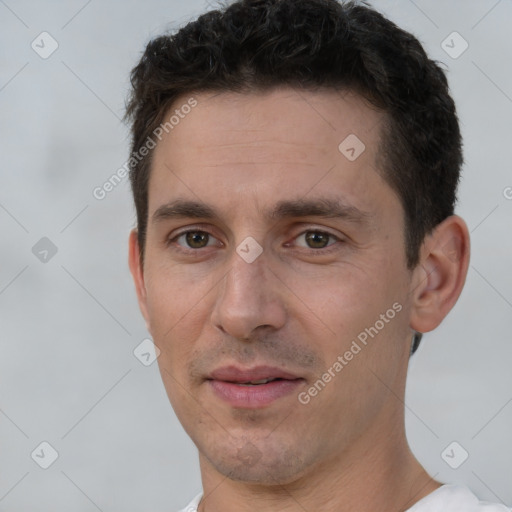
point(317, 239)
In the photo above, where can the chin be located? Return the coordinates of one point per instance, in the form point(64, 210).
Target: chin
point(261, 464)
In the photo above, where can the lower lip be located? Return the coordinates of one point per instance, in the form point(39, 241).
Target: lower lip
point(253, 397)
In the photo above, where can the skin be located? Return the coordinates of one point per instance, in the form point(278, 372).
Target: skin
point(207, 307)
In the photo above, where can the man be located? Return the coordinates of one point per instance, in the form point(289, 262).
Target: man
point(294, 170)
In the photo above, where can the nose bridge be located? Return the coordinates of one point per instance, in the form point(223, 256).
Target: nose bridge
point(248, 295)
point(247, 280)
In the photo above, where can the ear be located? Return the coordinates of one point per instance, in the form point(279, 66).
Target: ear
point(137, 271)
point(440, 275)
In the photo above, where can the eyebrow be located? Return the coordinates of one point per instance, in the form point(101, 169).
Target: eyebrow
point(325, 207)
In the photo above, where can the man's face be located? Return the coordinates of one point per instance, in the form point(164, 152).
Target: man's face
point(218, 308)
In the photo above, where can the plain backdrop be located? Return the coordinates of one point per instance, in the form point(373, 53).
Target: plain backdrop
point(69, 320)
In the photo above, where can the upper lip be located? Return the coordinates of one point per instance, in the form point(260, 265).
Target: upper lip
point(237, 374)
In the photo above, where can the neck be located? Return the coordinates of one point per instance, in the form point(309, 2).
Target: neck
point(377, 472)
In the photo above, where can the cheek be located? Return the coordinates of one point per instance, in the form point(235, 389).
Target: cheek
point(351, 306)
point(173, 289)
point(176, 312)
point(342, 299)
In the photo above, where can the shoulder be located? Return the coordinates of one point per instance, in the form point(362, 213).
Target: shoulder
point(192, 506)
point(455, 498)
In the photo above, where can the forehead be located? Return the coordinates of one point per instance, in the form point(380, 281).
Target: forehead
point(316, 119)
point(266, 146)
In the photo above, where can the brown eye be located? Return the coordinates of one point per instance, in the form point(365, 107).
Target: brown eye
point(196, 239)
point(317, 239)
point(191, 240)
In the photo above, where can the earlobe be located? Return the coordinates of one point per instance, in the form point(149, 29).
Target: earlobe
point(440, 275)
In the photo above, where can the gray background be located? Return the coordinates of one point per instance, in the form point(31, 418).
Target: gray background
point(69, 325)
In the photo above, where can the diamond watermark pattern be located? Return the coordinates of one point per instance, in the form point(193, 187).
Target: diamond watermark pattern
point(44, 455)
point(454, 455)
point(146, 352)
point(249, 454)
point(249, 249)
point(44, 250)
point(452, 250)
point(44, 45)
point(454, 45)
point(352, 147)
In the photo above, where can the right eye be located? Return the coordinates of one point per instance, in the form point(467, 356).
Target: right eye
point(193, 238)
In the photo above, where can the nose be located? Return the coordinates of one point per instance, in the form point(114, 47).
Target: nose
point(249, 297)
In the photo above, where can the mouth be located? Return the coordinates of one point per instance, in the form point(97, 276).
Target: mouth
point(257, 382)
point(252, 388)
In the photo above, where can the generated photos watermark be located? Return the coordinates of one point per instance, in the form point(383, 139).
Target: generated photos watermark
point(101, 192)
point(356, 347)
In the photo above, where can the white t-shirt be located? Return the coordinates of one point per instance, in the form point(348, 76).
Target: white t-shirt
point(448, 498)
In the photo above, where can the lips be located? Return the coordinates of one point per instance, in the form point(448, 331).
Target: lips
point(253, 375)
point(252, 388)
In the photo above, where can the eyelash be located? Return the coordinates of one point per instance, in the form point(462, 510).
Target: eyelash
point(313, 252)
